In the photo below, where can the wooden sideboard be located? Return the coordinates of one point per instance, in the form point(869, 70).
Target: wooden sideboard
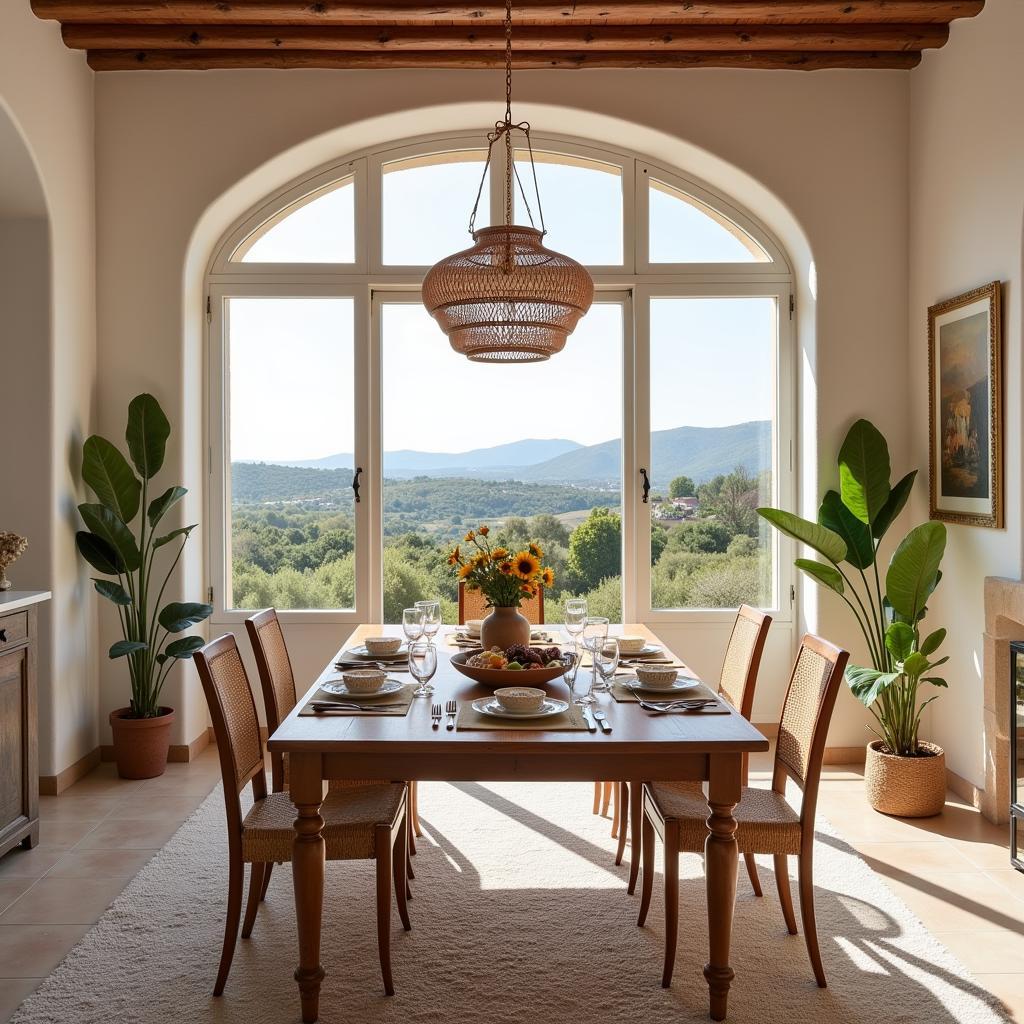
point(19, 730)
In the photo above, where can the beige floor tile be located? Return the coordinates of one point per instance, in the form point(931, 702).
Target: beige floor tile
point(958, 900)
point(131, 834)
point(13, 992)
point(69, 806)
point(986, 854)
point(103, 780)
point(79, 863)
point(34, 863)
point(30, 951)
point(1010, 879)
point(150, 804)
point(53, 901)
point(62, 832)
point(999, 951)
point(11, 889)
point(921, 858)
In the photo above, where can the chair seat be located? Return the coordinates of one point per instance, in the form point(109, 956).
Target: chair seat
point(350, 817)
point(765, 822)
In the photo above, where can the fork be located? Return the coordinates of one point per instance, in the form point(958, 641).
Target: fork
point(450, 709)
point(679, 705)
point(435, 715)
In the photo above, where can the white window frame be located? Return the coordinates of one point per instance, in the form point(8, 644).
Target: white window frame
point(634, 282)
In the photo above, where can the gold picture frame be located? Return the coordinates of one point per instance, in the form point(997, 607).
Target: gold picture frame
point(965, 413)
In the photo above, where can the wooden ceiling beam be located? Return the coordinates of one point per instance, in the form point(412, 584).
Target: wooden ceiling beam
point(562, 38)
point(178, 60)
point(410, 12)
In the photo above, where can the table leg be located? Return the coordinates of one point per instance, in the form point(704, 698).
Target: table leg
point(721, 857)
point(636, 826)
point(306, 787)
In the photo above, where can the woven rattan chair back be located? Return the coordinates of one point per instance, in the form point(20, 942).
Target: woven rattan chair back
point(473, 605)
point(743, 658)
point(276, 678)
point(236, 726)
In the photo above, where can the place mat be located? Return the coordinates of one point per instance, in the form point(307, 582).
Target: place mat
point(404, 696)
point(463, 640)
point(571, 720)
point(623, 695)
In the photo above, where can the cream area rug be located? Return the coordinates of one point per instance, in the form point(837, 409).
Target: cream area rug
point(519, 914)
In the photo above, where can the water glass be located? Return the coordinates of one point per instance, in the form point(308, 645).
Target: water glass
point(606, 661)
point(431, 617)
point(413, 623)
point(570, 675)
point(575, 616)
point(422, 666)
point(595, 632)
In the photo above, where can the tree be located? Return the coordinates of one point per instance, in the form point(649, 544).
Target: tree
point(659, 541)
point(595, 548)
point(549, 529)
point(706, 536)
point(732, 500)
point(682, 487)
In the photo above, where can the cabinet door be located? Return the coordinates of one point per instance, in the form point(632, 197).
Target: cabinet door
point(13, 737)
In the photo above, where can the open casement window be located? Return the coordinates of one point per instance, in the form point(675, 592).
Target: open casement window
point(324, 367)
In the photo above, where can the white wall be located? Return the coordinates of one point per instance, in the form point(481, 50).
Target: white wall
point(826, 154)
point(47, 91)
point(966, 217)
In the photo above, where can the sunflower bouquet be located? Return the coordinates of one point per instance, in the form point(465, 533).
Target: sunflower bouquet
point(504, 577)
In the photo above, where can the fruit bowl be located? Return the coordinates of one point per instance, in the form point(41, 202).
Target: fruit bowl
point(494, 678)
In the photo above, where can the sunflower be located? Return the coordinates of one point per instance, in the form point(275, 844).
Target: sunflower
point(547, 577)
point(465, 570)
point(505, 568)
point(483, 530)
point(455, 556)
point(526, 564)
point(529, 589)
point(536, 550)
point(481, 559)
point(469, 537)
point(499, 553)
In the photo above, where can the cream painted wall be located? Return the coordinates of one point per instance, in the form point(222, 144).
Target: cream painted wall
point(825, 154)
point(966, 219)
point(48, 93)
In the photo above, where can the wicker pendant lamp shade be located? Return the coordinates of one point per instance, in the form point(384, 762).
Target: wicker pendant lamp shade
point(508, 299)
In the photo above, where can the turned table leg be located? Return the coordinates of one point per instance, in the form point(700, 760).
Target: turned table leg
point(721, 858)
point(308, 857)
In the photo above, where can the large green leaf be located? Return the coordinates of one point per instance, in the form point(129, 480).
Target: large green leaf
point(112, 591)
point(99, 554)
point(826, 575)
point(899, 640)
point(184, 648)
point(123, 647)
point(894, 505)
point(834, 515)
point(179, 615)
point(159, 506)
point(864, 471)
point(914, 568)
point(147, 434)
point(916, 664)
point(868, 683)
point(107, 472)
point(823, 540)
point(109, 526)
point(932, 642)
point(182, 531)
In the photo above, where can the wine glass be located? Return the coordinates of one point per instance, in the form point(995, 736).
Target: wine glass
point(595, 632)
point(570, 673)
point(606, 661)
point(431, 618)
point(422, 665)
point(575, 618)
point(413, 623)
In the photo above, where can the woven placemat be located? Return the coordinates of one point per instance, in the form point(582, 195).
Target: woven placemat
point(467, 642)
point(403, 697)
point(571, 720)
point(623, 695)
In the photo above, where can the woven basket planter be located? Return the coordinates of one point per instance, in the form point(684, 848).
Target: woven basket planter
point(907, 787)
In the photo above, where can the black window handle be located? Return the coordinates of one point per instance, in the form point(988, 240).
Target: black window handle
point(647, 484)
point(3, 636)
point(355, 483)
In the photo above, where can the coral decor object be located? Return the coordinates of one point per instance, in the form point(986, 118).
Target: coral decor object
point(12, 547)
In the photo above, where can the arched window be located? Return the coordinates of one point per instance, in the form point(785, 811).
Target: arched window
point(351, 447)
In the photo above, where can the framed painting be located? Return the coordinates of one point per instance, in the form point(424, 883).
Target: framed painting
point(965, 423)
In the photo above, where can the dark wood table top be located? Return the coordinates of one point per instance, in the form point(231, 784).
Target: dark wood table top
point(633, 729)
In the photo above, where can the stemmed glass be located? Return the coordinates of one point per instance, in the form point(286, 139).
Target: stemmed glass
point(606, 661)
point(422, 665)
point(431, 618)
point(413, 623)
point(595, 632)
point(575, 618)
point(570, 674)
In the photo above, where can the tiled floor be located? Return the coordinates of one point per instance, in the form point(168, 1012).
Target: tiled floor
point(952, 871)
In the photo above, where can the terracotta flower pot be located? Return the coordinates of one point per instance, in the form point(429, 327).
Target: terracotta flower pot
point(503, 628)
point(907, 787)
point(141, 744)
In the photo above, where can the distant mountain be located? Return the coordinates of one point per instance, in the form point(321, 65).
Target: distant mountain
point(698, 452)
point(504, 459)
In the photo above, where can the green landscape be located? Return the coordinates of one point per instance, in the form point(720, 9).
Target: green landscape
point(293, 536)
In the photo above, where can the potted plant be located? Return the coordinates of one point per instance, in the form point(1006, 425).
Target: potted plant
point(904, 775)
point(141, 730)
point(504, 578)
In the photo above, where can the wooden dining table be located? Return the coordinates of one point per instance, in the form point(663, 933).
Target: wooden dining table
point(641, 746)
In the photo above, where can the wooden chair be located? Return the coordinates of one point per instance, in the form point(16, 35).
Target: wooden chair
point(766, 823)
point(277, 682)
point(473, 605)
point(360, 823)
point(736, 683)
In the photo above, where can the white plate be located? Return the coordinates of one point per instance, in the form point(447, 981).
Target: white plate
point(489, 706)
point(339, 688)
point(362, 652)
point(680, 683)
point(645, 652)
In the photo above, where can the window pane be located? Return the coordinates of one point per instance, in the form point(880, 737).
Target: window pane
point(582, 202)
point(427, 203)
point(512, 446)
point(319, 228)
point(712, 413)
point(684, 230)
point(291, 436)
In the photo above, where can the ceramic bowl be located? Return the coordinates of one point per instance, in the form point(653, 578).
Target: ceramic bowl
point(364, 680)
point(520, 699)
point(657, 675)
point(473, 626)
point(381, 645)
point(631, 644)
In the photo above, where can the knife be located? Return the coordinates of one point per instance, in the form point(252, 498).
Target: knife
point(591, 724)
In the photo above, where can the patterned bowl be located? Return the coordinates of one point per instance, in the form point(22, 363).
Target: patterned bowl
point(377, 646)
point(657, 676)
point(631, 644)
point(520, 699)
point(364, 680)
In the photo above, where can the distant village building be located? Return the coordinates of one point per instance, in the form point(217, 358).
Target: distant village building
point(677, 508)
